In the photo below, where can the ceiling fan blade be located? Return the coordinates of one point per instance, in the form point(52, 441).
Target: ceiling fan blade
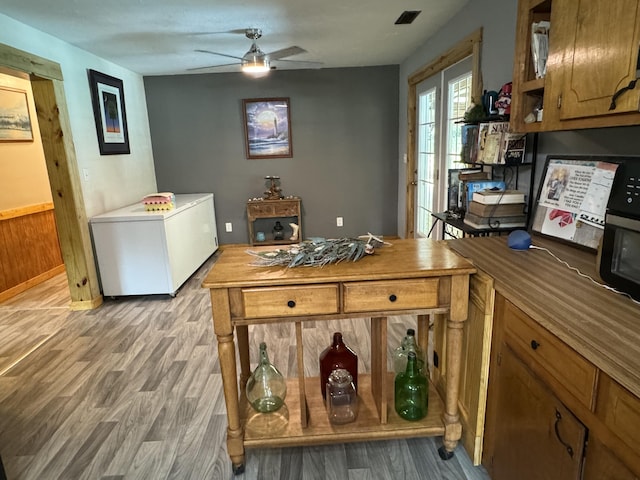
point(214, 66)
point(285, 52)
point(221, 54)
point(236, 31)
point(304, 63)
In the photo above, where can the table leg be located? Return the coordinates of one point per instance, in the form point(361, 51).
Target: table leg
point(242, 335)
point(457, 317)
point(227, 356)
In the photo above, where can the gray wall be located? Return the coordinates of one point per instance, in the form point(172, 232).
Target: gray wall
point(345, 144)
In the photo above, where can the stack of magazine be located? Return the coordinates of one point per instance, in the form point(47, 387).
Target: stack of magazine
point(492, 209)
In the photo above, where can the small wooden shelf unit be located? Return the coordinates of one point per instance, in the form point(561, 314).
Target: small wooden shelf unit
point(411, 277)
point(287, 209)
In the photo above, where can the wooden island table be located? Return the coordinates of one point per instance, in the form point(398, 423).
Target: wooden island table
point(417, 277)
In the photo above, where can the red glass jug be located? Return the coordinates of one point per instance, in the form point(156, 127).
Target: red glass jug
point(337, 355)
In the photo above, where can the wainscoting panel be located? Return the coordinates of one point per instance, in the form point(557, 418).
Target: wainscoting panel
point(29, 248)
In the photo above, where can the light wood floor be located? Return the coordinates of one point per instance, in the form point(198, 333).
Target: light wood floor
point(132, 390)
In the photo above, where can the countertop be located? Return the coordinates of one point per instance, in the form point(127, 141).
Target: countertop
point(604, 327)
point(402, 259)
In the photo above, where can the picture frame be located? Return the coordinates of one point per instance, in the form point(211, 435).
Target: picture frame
point(267, 127)
point(572, 197)
point(109, 111)
point(15, 119)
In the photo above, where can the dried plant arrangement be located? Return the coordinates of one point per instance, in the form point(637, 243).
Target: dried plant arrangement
point(318, 252)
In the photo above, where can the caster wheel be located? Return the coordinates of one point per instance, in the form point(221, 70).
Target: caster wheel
point(238, 469)
point(444, 454)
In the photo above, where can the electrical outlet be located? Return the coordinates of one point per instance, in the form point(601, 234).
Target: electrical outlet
point(228, 227)
point(339, 221)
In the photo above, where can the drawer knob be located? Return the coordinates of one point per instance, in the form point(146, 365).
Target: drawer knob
point(291, 304)
point(534, 345)
point(392, 298)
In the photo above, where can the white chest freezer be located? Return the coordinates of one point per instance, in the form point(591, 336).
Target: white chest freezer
point(141, 252)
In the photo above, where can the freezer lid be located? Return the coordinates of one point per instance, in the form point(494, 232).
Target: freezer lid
point(137, 212)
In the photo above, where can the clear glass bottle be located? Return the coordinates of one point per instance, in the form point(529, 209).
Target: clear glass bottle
point(266, 388)
point(337, 355)
point(411, 391)
point(342, 400)
point(409, 344)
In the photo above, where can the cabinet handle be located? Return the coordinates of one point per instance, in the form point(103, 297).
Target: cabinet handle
point(564, 444)
point(534, 345)
point(291, 304)
point(392, 298)
point(631, 86)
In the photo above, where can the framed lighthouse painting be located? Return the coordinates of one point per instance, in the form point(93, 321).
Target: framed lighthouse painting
point(267, 126)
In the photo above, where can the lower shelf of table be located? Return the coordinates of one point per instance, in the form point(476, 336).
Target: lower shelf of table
point(283, 428)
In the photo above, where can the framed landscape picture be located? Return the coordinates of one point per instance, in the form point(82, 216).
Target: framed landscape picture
point(267, 126)
point(107, 95)
point(15, 122)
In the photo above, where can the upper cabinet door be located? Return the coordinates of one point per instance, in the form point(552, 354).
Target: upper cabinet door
point(600, 57)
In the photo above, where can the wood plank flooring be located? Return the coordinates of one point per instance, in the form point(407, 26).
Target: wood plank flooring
point(132, 390)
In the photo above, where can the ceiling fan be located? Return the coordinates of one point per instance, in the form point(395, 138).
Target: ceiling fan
point(257, 61)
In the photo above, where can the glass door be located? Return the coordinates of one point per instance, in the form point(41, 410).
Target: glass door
point(442, 100)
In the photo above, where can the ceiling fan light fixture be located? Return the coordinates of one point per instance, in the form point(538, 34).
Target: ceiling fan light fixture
point(255, 61)
point(255, 65)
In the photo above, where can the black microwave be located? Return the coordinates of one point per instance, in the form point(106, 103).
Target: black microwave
point(620, 252)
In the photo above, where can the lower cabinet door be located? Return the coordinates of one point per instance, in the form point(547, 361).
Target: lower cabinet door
point(601, 463)
point(536, 437)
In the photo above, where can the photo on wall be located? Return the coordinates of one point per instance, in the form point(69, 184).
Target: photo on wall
point(267, 126)
point(107, 95)
point(15, 122)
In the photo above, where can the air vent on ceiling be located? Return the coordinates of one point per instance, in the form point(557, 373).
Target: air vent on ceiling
point(407, 17)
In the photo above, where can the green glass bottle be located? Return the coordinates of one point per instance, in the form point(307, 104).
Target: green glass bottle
point(266, 388)
point(411, 391)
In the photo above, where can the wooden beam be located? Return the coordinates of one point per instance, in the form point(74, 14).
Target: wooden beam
point(29, 63)
point(71, 219)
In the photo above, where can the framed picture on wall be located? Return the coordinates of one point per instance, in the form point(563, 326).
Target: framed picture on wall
point(267, 127)
point(15, 122)
point(107, 95)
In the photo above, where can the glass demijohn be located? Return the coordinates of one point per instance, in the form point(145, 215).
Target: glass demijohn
point(411, 391)
point(342, 401)
point(409, 344)
point(266, 388)
point(337, 355)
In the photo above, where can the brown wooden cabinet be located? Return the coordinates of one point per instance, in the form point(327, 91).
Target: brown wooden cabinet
point(601, 463)
point(536, 437)
point(593, 54)
point(286, 210)
point(530, 433)
point(550, 412)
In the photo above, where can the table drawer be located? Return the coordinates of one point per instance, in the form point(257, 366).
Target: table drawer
point(260, 209)
point(277, 208)
point(619, 409)
point(390, 295)
point(565, 365)
point(290, 301)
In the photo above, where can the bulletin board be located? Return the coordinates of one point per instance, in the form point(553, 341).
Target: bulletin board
point(572, 198)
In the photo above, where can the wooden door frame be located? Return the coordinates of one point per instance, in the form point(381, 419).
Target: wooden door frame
point(62, 167)
point(470, 46)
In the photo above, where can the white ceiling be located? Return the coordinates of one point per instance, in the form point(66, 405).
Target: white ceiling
point(157, 37)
